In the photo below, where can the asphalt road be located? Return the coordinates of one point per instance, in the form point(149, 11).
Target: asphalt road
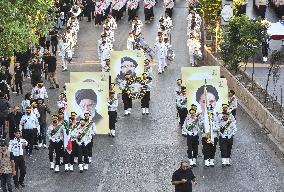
point(148, 149)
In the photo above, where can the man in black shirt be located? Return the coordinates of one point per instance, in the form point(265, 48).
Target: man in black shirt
point(14, 119)
point(42, 109)
point(183, 177)
point(51, 69)
point(18, 76)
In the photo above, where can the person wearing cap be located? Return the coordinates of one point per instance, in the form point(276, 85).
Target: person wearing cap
point(55, 135)
point(145, 101)
point(92, 126)
point(227, 131)
point(233, 103)
point(130, 41)
point(190, 129)
point(81, 136)
point(62, 100)
point(225, 109)
point(16, 148)
point(127, 100)
point(7, 167)
point(27, 125)
point(128, 66)
point(104, 51)
point(160, 50)
point(87, 99)
point(112, 108)
point(181, 103)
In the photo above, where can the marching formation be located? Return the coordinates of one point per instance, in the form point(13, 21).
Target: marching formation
point(70, 139)
point(213, 127)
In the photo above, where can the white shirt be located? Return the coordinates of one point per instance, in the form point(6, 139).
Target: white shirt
point(58, 135)
point(29, 122)
point(38, 92)
point(16, 146)
point(160, 50)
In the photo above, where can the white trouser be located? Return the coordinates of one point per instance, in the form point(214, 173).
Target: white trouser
point(191, 58)
point(161, 64)
point(64, 63)
point(103, 63)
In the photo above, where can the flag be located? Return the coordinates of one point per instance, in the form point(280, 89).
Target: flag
point(67, 133)
point(206, 118)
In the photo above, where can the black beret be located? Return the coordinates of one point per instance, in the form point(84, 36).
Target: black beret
point(85, 94)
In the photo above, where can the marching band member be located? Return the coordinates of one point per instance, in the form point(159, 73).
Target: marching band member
point(169, 5)
point(130, 41)
point(147, 82)
point(127, 101)
point(65, 50)
point(82, 135)
point(137, 26)
point(55, 134)
point(190, 129)
point(161, 52)
point(99, 12)
point(193, 48)
point(112, 108)
point(233, 103)
point(181, 102)
point(227, 131)
point(148, 10)
point(170, 53)
point(104, 51)
point(93, 132)
point(147, 68)
point(209, 146)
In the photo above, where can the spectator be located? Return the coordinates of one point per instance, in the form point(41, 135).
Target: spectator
point(42, 109)
point(14, 118)
point(26, 102)
point(39, 91)
point(183, 177)
point(4, 110)
point(7, 168)
point(18, 78)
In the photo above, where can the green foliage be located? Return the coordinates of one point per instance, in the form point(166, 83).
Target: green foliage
point(277, 58)
point(211, 10)
point(21, 22)
point(241, 41)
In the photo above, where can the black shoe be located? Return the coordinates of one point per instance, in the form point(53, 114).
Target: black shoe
point(81, 171)
point(36, 148)
point(57, 86)
point(51, 88)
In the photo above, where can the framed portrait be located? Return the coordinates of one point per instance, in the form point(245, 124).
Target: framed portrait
point(127, 61)
point(200, 73)
point(92, 98)
point(216, 94)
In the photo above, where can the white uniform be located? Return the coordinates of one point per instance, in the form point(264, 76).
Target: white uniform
point(161, 53)
point(104, 53)
point(39, 92)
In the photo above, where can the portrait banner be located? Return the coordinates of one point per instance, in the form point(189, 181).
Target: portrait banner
point(127, 61)
point(92, 98)
point(217, 93)
point(80, 77)
point(200, 73)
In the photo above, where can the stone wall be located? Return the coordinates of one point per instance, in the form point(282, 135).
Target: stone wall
point(251, 105)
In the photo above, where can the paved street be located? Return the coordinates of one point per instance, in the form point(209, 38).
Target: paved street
point(262, 70)
point(148, 149)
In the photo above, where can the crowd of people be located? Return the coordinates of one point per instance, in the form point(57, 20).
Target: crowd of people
point(70, 139)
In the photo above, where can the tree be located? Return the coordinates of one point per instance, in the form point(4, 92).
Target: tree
point(276, 59)
point(21, 23)
point(241, 40)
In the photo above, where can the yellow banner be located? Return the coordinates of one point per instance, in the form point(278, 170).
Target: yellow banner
point(80, 77)
point(89, 97)
point(199, 73)
point(127, 61)
point(217, 93)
